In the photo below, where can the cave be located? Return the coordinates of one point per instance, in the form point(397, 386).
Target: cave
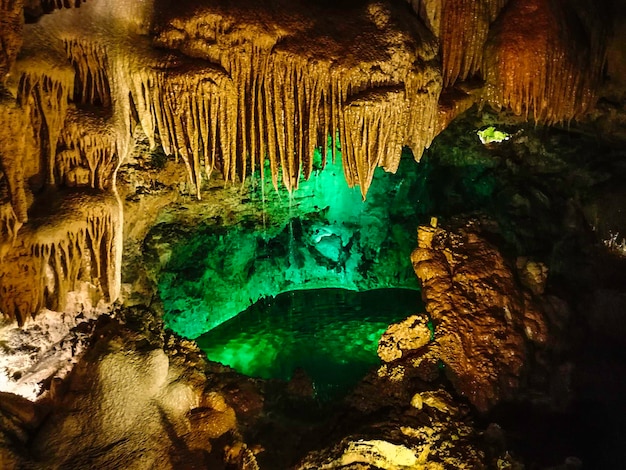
point(361, 234)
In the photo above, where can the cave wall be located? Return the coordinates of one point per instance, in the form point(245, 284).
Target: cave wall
point(227, 87)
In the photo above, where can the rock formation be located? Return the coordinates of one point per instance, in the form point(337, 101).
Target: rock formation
point(137, 399)
point(231, 86)
point(545, 59)
point(252, 89)
point(482, 325)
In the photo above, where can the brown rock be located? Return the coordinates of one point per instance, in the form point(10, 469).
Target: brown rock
point(483, 321)
point(407, 335)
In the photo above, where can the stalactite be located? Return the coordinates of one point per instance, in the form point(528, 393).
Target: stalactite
point(15, 150)
point(373, 130)
point(269, 90)
point(75, 242)
point(464, 28)
point(46, 92)
point(292, 94)
point(91, 64)
point(51, 5)
point(11, 27)
point(430, 12)
point(192, 109)
point(89, 144)
point(542, 62)
point(9, 227)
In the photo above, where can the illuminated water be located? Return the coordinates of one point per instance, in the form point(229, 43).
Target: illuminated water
point(331, 333)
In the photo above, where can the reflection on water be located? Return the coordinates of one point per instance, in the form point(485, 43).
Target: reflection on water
point(331, 333)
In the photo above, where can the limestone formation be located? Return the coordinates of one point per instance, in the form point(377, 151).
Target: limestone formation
point(241, 88)
point(235, 86)
point(300, 80)
point(136, 399)
point(11, 27)
point(408, 335)
point(544, 59)
point(77, 240)
point(483, 324)
point(433, 437)
point(462, 27)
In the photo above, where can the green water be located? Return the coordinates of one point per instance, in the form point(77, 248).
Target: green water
point(330, 333)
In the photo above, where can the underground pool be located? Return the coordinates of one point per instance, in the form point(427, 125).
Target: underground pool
point(331, 334)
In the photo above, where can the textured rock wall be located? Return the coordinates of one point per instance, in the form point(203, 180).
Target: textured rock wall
point(483, 321)
point(228, 86)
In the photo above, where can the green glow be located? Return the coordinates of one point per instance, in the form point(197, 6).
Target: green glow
point(491, 134)
point(431, 327)
point(331, 333)
point(323, 235)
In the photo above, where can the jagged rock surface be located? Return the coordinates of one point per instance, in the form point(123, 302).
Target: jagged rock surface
point(137, 399)
point(425, 432)
point(483, 323)
point(544, 59)
point(11, 26)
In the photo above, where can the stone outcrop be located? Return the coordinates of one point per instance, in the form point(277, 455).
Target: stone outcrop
point(425, 432)
point(484, 323)
point(408, 335)
point(138, 398)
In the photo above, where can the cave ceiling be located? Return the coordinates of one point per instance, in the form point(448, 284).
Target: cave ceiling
point(238, 87)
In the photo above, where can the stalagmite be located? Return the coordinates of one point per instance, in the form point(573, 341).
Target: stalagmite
point(543, 60)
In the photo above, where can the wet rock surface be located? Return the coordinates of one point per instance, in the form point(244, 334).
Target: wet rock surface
point(483, 322)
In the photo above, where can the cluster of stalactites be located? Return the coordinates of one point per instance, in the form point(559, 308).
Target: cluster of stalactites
point(46, 93)
point(14, 144)
point(59, 131)
point(462, 27)
point(544, 59)
point(371, 129)
point(91, 64)
point(76, 244)
point(186, 108)
point(276, 108)
point(86, 152)
point(50, 5)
